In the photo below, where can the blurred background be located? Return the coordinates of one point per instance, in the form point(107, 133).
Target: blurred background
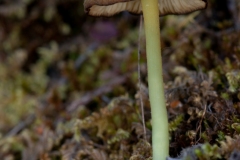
point(61, 71)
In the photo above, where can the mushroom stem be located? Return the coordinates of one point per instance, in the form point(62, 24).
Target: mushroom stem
point(160, 135)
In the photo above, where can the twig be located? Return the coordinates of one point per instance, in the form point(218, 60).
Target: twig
point(20, 126)
point(98, 92)
point(200, 123)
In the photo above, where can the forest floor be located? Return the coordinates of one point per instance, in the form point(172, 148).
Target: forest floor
point(69, 86)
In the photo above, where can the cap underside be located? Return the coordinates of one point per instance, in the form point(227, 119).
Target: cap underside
point(109, 8)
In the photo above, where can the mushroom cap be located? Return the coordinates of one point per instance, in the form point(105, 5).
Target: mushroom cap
point(111, 7)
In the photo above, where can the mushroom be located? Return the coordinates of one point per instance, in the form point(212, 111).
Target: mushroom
point(151, 10)
point(111, 7)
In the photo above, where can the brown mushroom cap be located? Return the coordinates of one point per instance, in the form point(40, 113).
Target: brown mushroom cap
point(111, 7)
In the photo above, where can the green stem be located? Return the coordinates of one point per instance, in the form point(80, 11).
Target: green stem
point(160, 137)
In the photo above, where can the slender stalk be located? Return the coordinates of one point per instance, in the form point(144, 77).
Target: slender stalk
point(160, 137)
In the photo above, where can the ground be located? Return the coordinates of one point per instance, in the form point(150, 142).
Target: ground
point(69, 86)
